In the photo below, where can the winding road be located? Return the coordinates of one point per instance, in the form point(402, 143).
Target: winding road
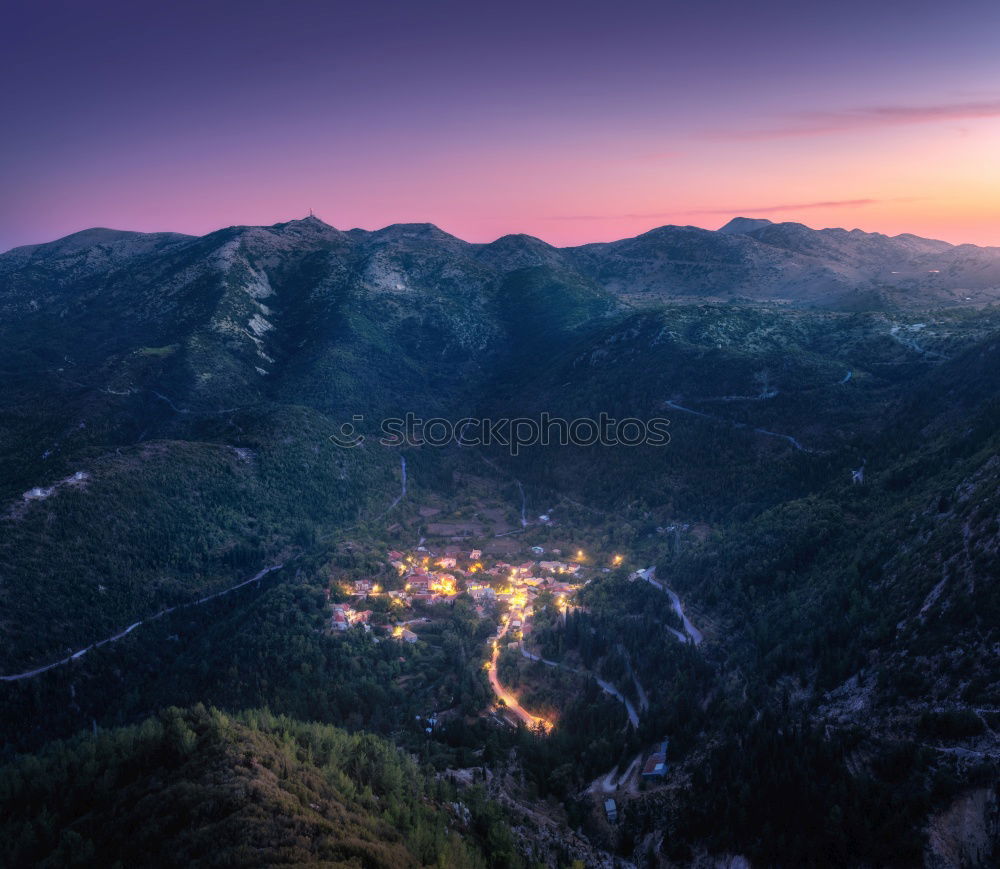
point(509, 699)
point(533, 720)
point(606, 687)
point(774, 434)
point(28, 674)
point(184, 410)
point(609, 784)
point(402, 493)
point(639, 690)
point(691, 633)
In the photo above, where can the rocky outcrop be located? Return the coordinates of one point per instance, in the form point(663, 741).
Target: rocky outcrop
point(966, 835)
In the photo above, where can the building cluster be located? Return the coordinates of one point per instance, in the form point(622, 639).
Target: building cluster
point(431, 576)
point(518, 584)
point(344, 616)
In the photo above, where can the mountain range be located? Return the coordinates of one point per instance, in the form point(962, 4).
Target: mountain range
point(749, 257)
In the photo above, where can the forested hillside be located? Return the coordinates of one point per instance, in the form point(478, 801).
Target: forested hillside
point(199, 788)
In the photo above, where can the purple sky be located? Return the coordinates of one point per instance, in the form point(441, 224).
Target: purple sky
point(571, 121)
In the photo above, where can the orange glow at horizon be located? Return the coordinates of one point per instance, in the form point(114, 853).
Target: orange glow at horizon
point(554, 120)
point(936, 180)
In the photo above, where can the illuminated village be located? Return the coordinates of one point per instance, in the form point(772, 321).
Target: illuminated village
point(515, 591)
point(500, 590)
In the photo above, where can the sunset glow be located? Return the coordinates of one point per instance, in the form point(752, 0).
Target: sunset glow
point(574, 128)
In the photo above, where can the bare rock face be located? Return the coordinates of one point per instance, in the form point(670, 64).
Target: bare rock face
point(704, 860)
point(966, 835)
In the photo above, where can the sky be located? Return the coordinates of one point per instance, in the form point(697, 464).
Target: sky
point(574, 122)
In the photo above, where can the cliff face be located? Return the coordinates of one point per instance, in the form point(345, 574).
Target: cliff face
point(966, 835)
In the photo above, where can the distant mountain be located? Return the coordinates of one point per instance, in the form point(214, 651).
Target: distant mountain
point(788, 262)
point(740, 225)
point(751, 258)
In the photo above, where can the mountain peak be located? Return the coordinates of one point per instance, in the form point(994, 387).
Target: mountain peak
point(86, 239)
point(414, 230)
point(421, 232)
point(741, 225)
point(311, 221)
point(520, 240)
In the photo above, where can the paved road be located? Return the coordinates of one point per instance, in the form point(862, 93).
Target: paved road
point(400, 496)
point(612, 782)
point(793, 441)
point(606, 687)
point(639, 690)
point(692, 634)
point(16, 677)
point(503, 694)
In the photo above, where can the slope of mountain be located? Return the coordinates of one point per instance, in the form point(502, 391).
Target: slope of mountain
point(213, 368)
point(198, 788)
point(739, 225)
point(828, 268)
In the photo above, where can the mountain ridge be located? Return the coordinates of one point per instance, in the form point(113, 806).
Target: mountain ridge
point(735, 225)
point(747, 258)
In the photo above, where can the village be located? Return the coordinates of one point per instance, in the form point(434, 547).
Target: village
point(509, 579)
point(499, 590)
point(502, 589)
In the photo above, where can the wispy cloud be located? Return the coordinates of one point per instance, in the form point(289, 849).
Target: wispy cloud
point(821, 123)
point(753, 209)
point(798, 206)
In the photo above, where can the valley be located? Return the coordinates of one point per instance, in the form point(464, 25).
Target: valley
point(752, 650)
